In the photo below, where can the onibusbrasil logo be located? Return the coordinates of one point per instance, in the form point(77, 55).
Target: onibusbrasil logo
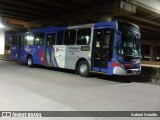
point(21, 114)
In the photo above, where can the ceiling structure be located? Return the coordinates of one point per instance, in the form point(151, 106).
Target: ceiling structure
point(37, 9)
point(37, 13)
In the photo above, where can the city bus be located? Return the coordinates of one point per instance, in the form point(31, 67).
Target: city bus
point(111, 48)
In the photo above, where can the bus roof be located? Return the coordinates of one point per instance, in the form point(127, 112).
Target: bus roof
point(49, 29)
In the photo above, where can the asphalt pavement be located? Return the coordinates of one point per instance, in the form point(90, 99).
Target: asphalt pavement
point(46, 89)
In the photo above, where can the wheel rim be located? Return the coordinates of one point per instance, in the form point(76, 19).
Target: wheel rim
point(83, 68)
point(29, 61)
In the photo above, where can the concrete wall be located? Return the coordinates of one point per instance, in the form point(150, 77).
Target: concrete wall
point(2, 41)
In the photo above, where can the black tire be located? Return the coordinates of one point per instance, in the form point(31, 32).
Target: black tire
point(83, 68)
point(30, 61)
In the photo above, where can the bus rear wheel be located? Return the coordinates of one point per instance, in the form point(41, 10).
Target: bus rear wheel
point(83, 68)
point(30, 61)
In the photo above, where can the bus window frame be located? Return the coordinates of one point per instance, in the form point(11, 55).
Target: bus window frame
point(39, 40)
point(89, 28)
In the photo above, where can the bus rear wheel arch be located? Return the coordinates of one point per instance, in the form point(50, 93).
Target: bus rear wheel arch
point(30, 60)
point(83, 68)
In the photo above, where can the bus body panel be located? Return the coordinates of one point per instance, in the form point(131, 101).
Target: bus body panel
point(102, 55)
point(67, 56)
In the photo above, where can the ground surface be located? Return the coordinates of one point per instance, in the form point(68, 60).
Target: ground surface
point(44, 89)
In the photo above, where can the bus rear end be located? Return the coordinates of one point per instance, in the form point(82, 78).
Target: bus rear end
point(14, 49)
point(16, 46)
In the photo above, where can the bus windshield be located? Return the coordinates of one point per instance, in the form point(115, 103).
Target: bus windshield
point(130, 45)
point(130, 41)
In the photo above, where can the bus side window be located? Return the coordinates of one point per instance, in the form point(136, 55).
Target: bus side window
point(83, 36)
point(60, 37)
point(70, 36)
point(51, 39)
point(29, 39)
point(39, 39)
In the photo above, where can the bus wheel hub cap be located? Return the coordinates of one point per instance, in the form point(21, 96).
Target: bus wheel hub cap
point(29, 61)
point(83, 68)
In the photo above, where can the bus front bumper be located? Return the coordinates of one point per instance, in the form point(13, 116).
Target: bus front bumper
point(121, 71)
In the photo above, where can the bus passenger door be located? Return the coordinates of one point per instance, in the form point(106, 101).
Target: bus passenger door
point(100, 50)
point(49, 48)
point(19, 44)
point(20, 47)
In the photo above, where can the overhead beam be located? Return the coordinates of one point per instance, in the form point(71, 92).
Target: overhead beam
point(59, 4)
point(16, 17)
point(18, 22)
point(114, 8)
point(18, 8)
point(145, 23)
point(94, 13)
point(83, 2)
point(150, 5)
point(3, 12)
point(149, 33)
point(32, 5)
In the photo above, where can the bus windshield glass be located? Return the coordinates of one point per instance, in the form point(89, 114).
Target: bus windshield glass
point(130, 41)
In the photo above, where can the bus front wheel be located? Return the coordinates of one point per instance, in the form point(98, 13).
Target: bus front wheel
point(83, 69)
point(30, 61)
